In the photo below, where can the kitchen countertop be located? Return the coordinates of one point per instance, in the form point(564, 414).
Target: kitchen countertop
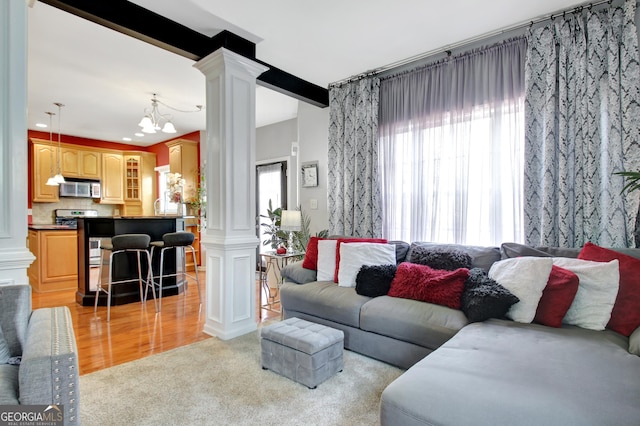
point(51, 227)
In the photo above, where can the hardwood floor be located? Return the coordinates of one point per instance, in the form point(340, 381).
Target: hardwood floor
point(135, 331)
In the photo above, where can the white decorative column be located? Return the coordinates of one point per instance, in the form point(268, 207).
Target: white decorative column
point(230, 239)
point(15, 258)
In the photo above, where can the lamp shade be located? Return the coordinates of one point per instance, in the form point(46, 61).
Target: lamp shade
point(291, 220)
point(168, 128)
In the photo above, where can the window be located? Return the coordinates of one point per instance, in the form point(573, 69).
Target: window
point(451, 149)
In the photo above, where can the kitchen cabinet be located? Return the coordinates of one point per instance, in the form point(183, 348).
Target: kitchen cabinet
point(112, 178)
point(183, 159)
point(140, 183)
point(80, 163)
point(56, 264)
point(43, 164)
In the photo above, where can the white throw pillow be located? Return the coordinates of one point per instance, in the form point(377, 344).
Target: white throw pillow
point(526, 278)
point(354, 255)
point(597, 292)
point(326, 260)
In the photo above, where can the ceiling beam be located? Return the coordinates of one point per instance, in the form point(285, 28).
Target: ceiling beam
point(135, 21)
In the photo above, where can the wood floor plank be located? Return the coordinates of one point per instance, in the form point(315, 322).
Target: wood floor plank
point(135, 331)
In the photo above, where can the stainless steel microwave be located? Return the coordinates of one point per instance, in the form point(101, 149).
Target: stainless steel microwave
point(80, 189)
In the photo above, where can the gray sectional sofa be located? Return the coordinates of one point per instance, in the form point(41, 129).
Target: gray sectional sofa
point(44, 342)
point(496, 372)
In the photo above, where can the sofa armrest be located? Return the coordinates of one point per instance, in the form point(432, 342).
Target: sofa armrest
point(295, 273)
point(49, 368)
point(634, 342)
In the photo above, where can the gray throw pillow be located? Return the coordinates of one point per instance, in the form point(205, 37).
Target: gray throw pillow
point(4, 349)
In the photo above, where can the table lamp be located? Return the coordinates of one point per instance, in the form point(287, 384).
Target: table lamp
point(291, 220)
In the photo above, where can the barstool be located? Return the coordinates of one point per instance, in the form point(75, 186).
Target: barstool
point(180, 241)
point(124, 243)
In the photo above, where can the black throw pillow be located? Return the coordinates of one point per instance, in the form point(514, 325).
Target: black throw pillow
point(439, 258)
point(484, 298)
point(375, 280)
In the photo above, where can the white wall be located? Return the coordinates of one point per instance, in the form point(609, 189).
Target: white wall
point(273, 143)
point(313, 131)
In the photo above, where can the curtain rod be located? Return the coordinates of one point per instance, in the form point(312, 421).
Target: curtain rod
point(447, 49)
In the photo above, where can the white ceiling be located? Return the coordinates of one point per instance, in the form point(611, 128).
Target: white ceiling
point(106, 79)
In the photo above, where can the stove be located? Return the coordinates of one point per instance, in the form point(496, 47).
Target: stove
point(70, 217)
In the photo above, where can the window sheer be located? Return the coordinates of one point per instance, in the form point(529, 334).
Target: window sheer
point(451, 143)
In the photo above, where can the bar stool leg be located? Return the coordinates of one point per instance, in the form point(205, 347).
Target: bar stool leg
point(195, 265)
point(109, 287)
point(99, 288)
point(150, 282)
point(160, 281)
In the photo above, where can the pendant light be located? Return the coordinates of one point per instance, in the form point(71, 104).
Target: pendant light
point(58, 177)
point(51, 181)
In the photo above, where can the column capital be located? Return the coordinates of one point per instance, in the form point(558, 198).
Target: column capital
point(221, 59)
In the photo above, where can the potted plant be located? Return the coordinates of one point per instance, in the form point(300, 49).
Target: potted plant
point(632, 183)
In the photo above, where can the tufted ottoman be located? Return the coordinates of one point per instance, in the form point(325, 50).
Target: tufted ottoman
point(302, 351)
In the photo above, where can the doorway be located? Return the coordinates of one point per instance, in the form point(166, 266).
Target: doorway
point(271, 186)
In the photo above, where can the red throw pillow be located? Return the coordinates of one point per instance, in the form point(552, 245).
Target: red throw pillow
point(420, 282)
point(557, 297)
point(310, 260)
point(352, 240)
point(625, 317)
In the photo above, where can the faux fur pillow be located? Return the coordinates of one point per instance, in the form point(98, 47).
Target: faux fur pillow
point(439, 258)
point(484, 298)
point(375, 280)
point(420, 282)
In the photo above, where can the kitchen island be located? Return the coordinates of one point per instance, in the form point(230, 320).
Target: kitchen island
point(92, 230)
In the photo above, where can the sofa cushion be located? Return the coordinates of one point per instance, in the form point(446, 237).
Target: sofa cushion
point(420, 282)
point(508, 373)
point(375, 280)
point(421, 323)
point(481, 257)
point(439, 258)
point(526, 278)
point(510, 250)
point(634, 342)
point(557, 297)
point(324, 299)
point(402, 249)
point(355, 255)
point(484, 298)
point(9, 384)
point(591, 307)
point(625, 317)
point(5, 354)
point(294, 272)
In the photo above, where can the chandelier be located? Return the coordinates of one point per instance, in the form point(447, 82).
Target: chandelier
point(153, 120)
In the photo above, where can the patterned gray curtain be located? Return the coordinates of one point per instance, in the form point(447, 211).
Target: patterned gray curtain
point(354, 192)
point(581, 113)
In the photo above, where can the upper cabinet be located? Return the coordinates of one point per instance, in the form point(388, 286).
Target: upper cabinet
point(112, 178)
point(183, 159)
point(44, 161)
point(80, 163)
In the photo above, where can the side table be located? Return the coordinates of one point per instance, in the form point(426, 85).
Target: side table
point(275, 262)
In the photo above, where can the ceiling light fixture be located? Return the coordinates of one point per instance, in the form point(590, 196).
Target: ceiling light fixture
point(52, 180)
point(58, 177)
point(153, 120)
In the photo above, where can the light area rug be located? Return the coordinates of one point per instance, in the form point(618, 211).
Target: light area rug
point(215, 382)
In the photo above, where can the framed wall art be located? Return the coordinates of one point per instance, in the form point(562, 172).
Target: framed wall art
point(310, 174)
